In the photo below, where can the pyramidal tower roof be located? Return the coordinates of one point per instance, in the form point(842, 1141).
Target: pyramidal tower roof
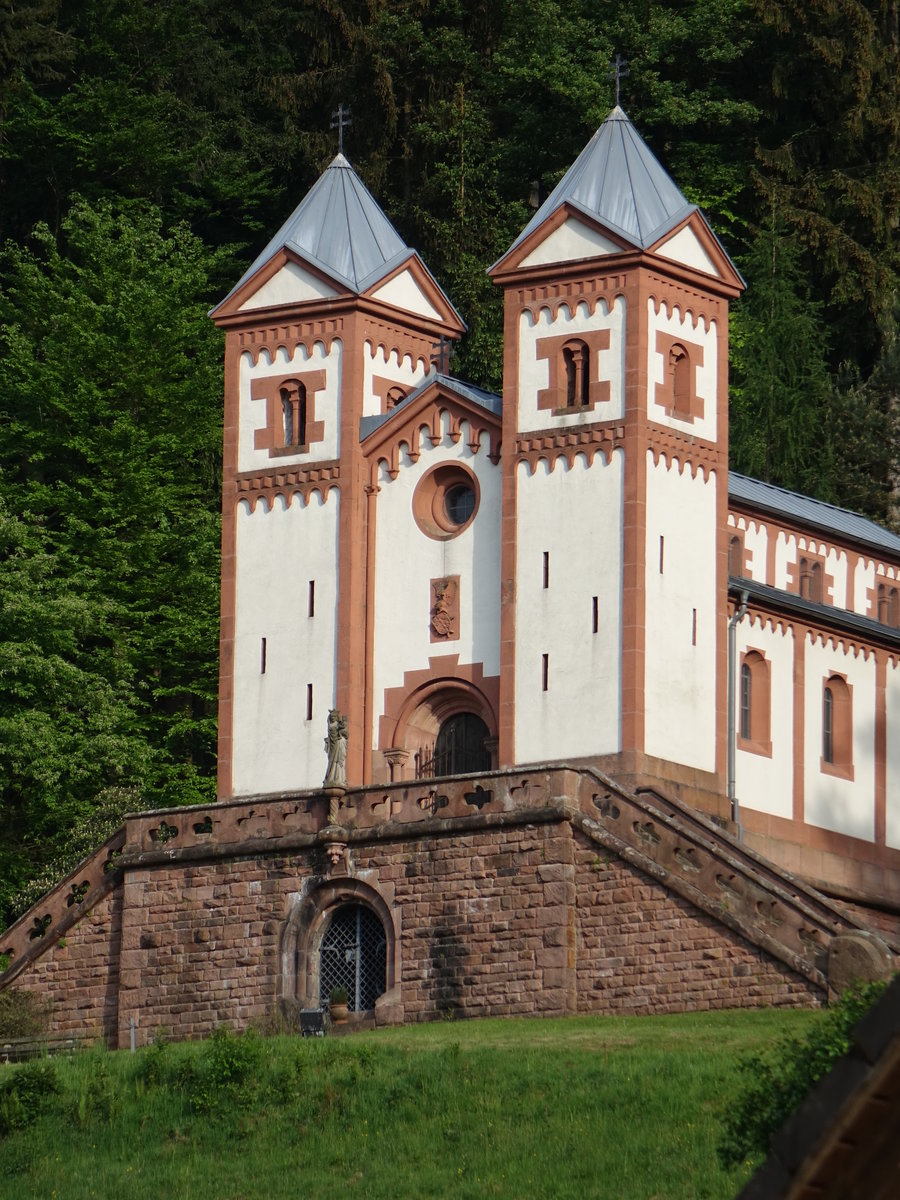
point(617, 180)
point(339, 228)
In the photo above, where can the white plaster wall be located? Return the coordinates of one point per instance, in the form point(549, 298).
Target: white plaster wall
point(842, 805)
point(290, 285)
point(534, 372)
point(404, 292)
point(785, 557)
point(767, 783)
point(685, 247)
point(252, 413)
point(680, 677)
point(278, 552)
point(576, 515)
point(863, 583)
point(573, 240)
point(406, 560)
point(893, 755)
point(756, 543)
point(690, 330)
point(838, 568)
point(405, 372)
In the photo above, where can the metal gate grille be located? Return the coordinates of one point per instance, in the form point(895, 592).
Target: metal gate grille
point(354, 956)
point(459, 748)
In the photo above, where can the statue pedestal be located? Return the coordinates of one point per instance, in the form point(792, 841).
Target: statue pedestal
point(333, 793)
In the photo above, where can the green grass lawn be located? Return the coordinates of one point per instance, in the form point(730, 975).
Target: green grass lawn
point(585, 1107)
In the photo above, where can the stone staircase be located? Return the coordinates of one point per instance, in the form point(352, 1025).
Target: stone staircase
point(663, 838)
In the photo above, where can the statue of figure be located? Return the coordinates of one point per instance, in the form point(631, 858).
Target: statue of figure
point(336, 749)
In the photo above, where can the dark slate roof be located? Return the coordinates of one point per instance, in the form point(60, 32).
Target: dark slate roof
point(828, 616)
point(803, 510)
point(617, 180)
point(468, 391)
point(339, 228)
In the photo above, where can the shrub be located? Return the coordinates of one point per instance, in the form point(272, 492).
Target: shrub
point(29, 1091)
point(23, 1014)
point(777, 1080)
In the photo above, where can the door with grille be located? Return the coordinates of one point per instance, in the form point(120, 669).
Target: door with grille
point(353, 956)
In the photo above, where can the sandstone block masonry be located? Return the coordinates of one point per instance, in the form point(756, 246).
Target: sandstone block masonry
point(549, 892)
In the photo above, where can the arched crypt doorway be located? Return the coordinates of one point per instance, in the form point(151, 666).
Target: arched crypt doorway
point(342, 933)
point(353, 956)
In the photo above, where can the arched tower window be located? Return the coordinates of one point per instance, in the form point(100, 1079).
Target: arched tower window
point(679, 367)
point(293, 406)
point(576, 360)
point(353, 955)
point(736, 557)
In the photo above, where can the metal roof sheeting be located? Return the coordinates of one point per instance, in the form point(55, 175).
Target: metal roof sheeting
point(803, 510)
point(339, 228)
point(617, 180)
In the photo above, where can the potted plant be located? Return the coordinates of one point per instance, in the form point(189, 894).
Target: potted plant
point(338, 1005)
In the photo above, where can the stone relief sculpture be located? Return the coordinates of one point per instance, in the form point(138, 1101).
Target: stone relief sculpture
point(336, 749)
point(445, 609)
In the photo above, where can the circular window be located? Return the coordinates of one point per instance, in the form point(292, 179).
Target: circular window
point(445, 501)
point(459, 503)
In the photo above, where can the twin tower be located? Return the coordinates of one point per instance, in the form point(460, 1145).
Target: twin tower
point(480, 582)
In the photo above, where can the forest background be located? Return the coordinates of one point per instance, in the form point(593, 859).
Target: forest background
point(148, 150)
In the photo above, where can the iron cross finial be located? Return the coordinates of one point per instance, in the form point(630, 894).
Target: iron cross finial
point(440, 359)
point(341, 120)
point(619, 69)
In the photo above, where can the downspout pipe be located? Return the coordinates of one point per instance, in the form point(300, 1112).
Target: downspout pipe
point(735, 619)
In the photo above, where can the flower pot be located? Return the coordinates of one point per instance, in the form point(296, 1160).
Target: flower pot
point(339, 1013)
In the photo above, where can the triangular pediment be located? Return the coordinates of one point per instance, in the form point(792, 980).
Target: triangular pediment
point(693, 244)
point(569, 242)
point(291, 284)
point(685, 247)
point(410, 287)
point(404, 291)
point(423, 408)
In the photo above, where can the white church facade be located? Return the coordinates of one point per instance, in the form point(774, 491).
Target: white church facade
point(566, 573)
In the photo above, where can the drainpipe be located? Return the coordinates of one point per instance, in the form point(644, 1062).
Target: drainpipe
point(736, 618)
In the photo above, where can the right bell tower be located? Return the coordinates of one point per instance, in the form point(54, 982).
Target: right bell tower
point(615, 475)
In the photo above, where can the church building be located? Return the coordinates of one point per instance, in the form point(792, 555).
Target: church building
point(566, 573)
point(611, 729)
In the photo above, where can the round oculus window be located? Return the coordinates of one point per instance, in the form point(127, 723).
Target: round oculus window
point(459, 503)
point(445, 501)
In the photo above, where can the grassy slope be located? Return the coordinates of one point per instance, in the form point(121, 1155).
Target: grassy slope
point(585, 1107)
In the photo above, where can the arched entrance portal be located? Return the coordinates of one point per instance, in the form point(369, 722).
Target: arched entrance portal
point(353, 955)
point(458, 748)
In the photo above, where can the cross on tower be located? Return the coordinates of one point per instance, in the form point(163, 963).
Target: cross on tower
point(440, 359)
point(341, 120)
point(619, 69)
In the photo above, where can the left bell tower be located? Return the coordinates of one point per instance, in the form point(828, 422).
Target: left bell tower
point(334, 321)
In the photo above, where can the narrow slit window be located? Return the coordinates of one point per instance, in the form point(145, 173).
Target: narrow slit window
point(262, 656)
point(309, 701)
point(828, 725)
point(311, 608)
point(545, 672)
point(595, 614)
point(746, 700)
point(662, 553)
point(694, 628)
point(546, 568)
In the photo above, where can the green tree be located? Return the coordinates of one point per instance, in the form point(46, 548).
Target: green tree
point(110, 392)
point(781, 389)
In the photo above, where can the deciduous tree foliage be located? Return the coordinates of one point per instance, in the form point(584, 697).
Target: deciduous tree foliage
point(110, 397)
